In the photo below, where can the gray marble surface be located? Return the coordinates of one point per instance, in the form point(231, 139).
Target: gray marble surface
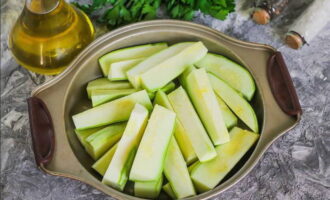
point(296, 166)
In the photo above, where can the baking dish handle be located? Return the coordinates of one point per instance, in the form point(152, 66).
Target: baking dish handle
point(42, 131)
point(282, 86)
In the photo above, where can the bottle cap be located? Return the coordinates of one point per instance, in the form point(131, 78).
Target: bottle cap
point(293, 40)
point(260, 16)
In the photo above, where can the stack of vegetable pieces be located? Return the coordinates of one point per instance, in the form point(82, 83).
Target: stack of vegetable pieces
point(189, 135)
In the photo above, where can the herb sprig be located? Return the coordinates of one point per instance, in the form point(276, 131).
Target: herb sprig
point(121, 12)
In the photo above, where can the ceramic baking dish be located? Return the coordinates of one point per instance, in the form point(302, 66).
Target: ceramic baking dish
point(56, 147)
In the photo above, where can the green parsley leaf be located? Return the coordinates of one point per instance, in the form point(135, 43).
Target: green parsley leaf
point(123, 12)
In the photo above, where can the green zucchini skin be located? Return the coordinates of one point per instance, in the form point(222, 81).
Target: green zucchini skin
point(99, 142)
point(169, 191)
point(83, 134)
point(105, 84)
point(102, 96)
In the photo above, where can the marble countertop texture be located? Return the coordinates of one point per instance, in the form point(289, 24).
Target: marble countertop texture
point(296, 166)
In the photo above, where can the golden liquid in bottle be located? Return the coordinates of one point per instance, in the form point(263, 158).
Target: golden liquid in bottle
point(46, 43)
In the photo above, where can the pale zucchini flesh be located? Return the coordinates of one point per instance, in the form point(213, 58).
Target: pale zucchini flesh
point(230, 72)
point(102, 96)
point(127, 144)
point(149, 189)
point(105, 84)
point(207, 175)
point(98, 143)
point(149, 161)
point(185, 144)
point(176, 172)
point(190, 121)
point(128, 53)
point(118, 70)
point(205, 101)
point(83, 134)
point(179, 132)
point(163, 73)
point(150, 62)
point(102, 164)
point(228, 116)
point(114, 111)
point(168, 188)
point(235, 102)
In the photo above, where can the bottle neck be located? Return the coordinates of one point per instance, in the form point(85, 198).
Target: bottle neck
point(41, 6)
point(46, 17)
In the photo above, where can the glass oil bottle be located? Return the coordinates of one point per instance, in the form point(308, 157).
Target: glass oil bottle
point(48, 35)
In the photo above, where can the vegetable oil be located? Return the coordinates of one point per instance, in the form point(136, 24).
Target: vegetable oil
point(48, 35)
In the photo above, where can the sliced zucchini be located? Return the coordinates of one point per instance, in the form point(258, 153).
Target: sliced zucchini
point(179, 132)
point(134, 73)
point(230, 72)
point(102, 96)
point(127, 144)
point(102, 164)
point(149, 161)
point(149, 189)
point(205, 101)
point(228, 116)
point(151, 95)
point(118, 70)
point(206, 176)
point(163, 73)
point(168, 189)
point(114, 111)
point(98, 143)
point(105, 84)
point(83, 134)
point(191, 167)
point(121, 185)
point(168, 88)
point(176, 172)
point(183, 76)
point(190, 121)
point(129, 53)
point(235, 102)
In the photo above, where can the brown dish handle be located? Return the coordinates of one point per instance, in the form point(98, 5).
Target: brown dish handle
point(42, 131)
point(282, 86)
